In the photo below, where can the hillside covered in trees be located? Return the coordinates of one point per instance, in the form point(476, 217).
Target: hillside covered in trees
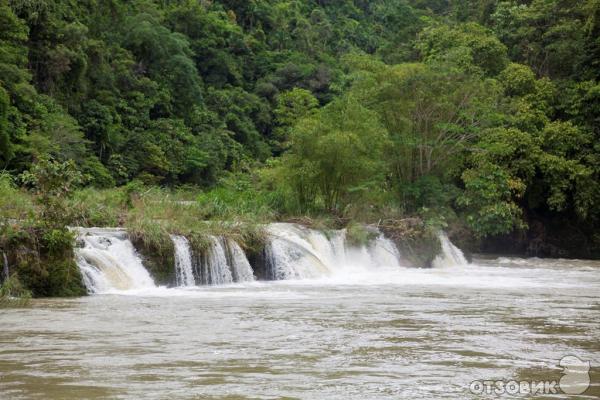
point(479, 115)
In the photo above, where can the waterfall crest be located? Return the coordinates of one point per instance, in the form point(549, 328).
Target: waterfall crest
point(219, 272)
point(108, 261)
point(451, 256)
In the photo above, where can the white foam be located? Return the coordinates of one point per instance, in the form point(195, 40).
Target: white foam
point(296, 252)
point(108, 261)
point(184, 274)
point(451, 256)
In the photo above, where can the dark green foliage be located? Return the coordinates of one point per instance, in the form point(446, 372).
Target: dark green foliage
point(166, 93)
point(44, 262)
point(6, 147)
point(488, 111)
point(38, 243)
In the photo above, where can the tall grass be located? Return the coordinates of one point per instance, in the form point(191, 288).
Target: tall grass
point(157, 212)
point(13, 293)
point(98, 207)
point(240, 197)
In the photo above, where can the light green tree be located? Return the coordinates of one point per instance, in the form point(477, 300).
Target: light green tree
point(335, 155)
point(291, 107)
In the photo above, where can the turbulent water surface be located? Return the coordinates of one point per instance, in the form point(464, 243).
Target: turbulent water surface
point(388, 334)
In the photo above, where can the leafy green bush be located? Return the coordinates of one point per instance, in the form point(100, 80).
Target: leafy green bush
point(52, 182)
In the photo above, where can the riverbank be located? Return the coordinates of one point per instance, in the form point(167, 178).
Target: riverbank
point(41, 257)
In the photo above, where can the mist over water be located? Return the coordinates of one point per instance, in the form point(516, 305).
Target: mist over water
point(371, 328)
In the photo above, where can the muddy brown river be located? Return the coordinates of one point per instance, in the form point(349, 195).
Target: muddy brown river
point(402, 334)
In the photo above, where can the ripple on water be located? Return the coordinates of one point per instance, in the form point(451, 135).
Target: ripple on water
point(410, 334)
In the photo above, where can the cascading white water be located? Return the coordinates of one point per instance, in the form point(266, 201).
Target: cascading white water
point(296, 252)
point(240, 266)
point(291, 255)
point(184, 274)
point(218, 272)
point(223, 263)
point(451, 256)
point(108, 261)
point(384, 251)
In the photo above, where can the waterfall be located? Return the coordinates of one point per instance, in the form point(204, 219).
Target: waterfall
point(296, 252)
point(108, 261)
point(451, 256)
point(216, 262)
point(240, 266)
point(384, 252)
point(183, 261)
point(223, 262)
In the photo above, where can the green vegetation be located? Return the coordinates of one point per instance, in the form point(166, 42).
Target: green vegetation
point(358, 234)
point(36, 245)
point(416, 240)
point(161, 116)
point(12, 293)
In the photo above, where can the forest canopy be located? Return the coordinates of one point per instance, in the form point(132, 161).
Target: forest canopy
point(482, 111)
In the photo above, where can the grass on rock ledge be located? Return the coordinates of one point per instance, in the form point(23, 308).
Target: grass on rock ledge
point(237, 209)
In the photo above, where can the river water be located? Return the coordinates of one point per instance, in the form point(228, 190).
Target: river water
point(391, 334)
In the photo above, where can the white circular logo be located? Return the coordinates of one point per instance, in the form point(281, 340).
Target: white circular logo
point(576, 377)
